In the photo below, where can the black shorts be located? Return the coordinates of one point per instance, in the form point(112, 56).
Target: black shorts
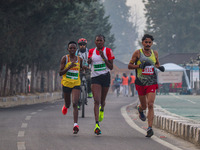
point(103, 80)
point(69, 90)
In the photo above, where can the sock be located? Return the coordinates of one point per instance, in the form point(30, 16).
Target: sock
point(75, 124)
point(97, 122)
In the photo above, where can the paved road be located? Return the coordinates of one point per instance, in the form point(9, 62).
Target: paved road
point(183, 105)
point(43, 127)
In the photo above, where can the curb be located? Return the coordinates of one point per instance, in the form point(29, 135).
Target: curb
point(18, 100)
point(184, 128)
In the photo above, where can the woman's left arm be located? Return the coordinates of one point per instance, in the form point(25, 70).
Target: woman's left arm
point(109, 63)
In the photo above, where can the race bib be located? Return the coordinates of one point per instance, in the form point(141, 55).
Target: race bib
point(148, 70)
point(72, 74)
point(99, 67)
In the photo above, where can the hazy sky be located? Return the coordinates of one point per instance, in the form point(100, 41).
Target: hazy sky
point(137, 9)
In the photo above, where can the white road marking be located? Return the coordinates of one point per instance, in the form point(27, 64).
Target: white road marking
point(33, 113)
point(40, 110)
point(133, 125)
point(21, 146)
point(24, 125)
point(21, 133)
point(28, 118)
point(184, 99)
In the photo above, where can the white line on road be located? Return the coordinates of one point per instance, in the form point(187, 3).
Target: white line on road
point(33, 113)
point(133, 125)
point(24, 125)
point(21, 146)
point(183, 99)
point(28, 118)
point(21, 133)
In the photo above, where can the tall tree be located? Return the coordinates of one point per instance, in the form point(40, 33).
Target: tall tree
point(175, 24)
point(124, 30)
point(35, 33)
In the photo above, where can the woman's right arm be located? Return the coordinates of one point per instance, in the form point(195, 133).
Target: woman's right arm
point(62, 66)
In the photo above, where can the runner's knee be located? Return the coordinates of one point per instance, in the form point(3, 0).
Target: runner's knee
point(75, 104)
point(144, 107)
point(97, 103)
point(150, 105)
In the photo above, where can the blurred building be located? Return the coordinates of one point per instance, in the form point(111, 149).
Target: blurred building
point(190, 61)
point(120, 68)
point(178, 58)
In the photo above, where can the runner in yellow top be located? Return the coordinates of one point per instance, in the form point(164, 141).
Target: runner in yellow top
point(70, 66)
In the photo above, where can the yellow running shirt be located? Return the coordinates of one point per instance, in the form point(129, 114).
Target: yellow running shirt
point(72, 77)
point(146, 76)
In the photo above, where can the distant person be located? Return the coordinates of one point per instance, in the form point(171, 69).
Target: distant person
point(166, 88)
point(144, 62)
point(132, 83)
point(117, 83)
point(70, 67)
point(125, 84)
point(112, 85)
point(101, 60)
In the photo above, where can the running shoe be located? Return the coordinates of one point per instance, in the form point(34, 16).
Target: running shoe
point(64, 110)
point(90, 95)
point(97, 130)
point(149, 132)
point(75, 129)
point(101, 114)
point(141, 114)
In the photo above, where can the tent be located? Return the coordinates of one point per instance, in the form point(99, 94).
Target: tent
point(173, 74)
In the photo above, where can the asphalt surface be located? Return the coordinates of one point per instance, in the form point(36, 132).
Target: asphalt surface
point(43, 127)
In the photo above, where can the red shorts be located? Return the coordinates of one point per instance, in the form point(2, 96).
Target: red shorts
point(143, 90)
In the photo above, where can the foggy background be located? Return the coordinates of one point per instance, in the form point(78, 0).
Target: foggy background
point(34, 34)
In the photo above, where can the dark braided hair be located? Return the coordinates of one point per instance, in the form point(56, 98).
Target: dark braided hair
point(100, 35)
point(72, 42)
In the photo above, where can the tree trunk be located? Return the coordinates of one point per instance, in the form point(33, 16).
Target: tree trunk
point(1, 80)
point(58, 81)
point(42, 82)
point(38, 81)
point(26, 80)
point(48, 81)
point(23, 86)
point(12, 87)
point(33, 78)
point(55, 81)
point(5, 81)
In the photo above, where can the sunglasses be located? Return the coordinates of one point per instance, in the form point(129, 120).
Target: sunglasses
point(82, 44)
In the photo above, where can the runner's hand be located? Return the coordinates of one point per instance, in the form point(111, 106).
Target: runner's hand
point(144, 64)
point(101, 54)
point(161, 68)
point(73, 64)
point(89, 61)
point(85, 67)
